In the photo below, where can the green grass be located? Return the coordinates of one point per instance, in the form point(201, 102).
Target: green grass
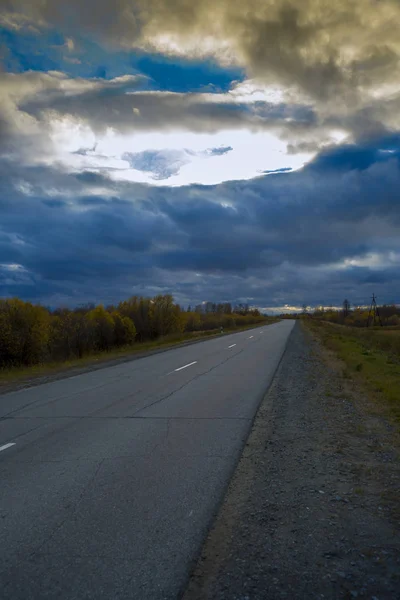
point(21, 374)
point(370, 356)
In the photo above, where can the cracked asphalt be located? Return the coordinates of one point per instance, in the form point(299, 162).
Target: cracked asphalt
point(110, 479)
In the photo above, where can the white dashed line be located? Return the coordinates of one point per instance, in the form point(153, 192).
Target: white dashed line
point(232, 346)
point(185, 366)
point(6, 446)
point(251, 337)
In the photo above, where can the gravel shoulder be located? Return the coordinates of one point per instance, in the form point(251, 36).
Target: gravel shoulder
point(313, 510)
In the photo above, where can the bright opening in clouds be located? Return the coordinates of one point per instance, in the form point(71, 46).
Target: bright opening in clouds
point(173, 158)
point(228, 152)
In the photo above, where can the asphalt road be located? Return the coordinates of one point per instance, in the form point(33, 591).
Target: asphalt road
point(109, 480)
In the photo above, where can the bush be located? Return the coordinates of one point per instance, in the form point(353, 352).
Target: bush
point(24, 333)
point(103, 325)
point(124, 330)
point(394, 320)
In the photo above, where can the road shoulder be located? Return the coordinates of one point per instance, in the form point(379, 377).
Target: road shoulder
point(313, 508)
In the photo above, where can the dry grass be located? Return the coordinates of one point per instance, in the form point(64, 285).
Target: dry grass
point(371, 357)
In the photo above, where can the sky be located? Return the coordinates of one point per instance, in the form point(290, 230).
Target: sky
point(220, 151)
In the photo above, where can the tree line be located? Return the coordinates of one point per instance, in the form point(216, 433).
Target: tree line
point(32, 334)
point(356, 316)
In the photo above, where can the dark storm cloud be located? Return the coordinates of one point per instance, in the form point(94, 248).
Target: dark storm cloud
point(350, 157)
point(274, 240)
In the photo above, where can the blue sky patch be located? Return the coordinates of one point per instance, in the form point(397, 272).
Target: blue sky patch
point(179, 75)
point(25, 51)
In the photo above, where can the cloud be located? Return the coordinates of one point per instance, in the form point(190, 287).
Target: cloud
point(175, 93)
point(27, 135)
point(70, 44)
point(313, 236)
point(333, 65)
point(51, 118)
point(50, 111)
point(123, 105)
point(322, 48)
point(352, 156)
point(219, 151)
point(116, 104)
point(282, 170)
point(161, 164)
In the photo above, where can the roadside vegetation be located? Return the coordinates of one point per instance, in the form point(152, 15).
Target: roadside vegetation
point(389, 316)
point(371, 356)
point(358, 316)
point(34, 338)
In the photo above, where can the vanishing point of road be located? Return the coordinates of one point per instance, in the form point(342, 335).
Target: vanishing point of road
point(110, 480)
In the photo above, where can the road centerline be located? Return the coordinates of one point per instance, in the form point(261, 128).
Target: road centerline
point(232, 346)
point(6, 446)
point(186, 366)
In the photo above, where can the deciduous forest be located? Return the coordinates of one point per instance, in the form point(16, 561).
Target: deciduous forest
point(32, 334)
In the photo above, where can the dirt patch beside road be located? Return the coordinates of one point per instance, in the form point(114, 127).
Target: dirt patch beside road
point(313, 510)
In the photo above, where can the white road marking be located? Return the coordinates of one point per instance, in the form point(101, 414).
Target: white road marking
point(232, 346)
point(251, 337)
point(6, 446)
point(185, 366)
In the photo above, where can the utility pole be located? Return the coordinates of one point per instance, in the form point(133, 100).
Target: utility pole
point(346, 308)
point(374, 312)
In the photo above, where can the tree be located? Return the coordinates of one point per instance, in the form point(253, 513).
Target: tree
point(124, 330)
point(24, 332)
point(193, 321)
point(30, 334)
point(139, 310)
point(103, 327)
point(228, 308)
point(394, 320)
point(209, 307)
point(165, 315)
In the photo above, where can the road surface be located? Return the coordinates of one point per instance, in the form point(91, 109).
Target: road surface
point(109, 480)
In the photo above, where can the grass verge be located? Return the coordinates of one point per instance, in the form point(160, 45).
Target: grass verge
point(371, 357)
point(27, 374)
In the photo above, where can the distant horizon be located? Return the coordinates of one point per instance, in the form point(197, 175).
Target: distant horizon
point(269, 310)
